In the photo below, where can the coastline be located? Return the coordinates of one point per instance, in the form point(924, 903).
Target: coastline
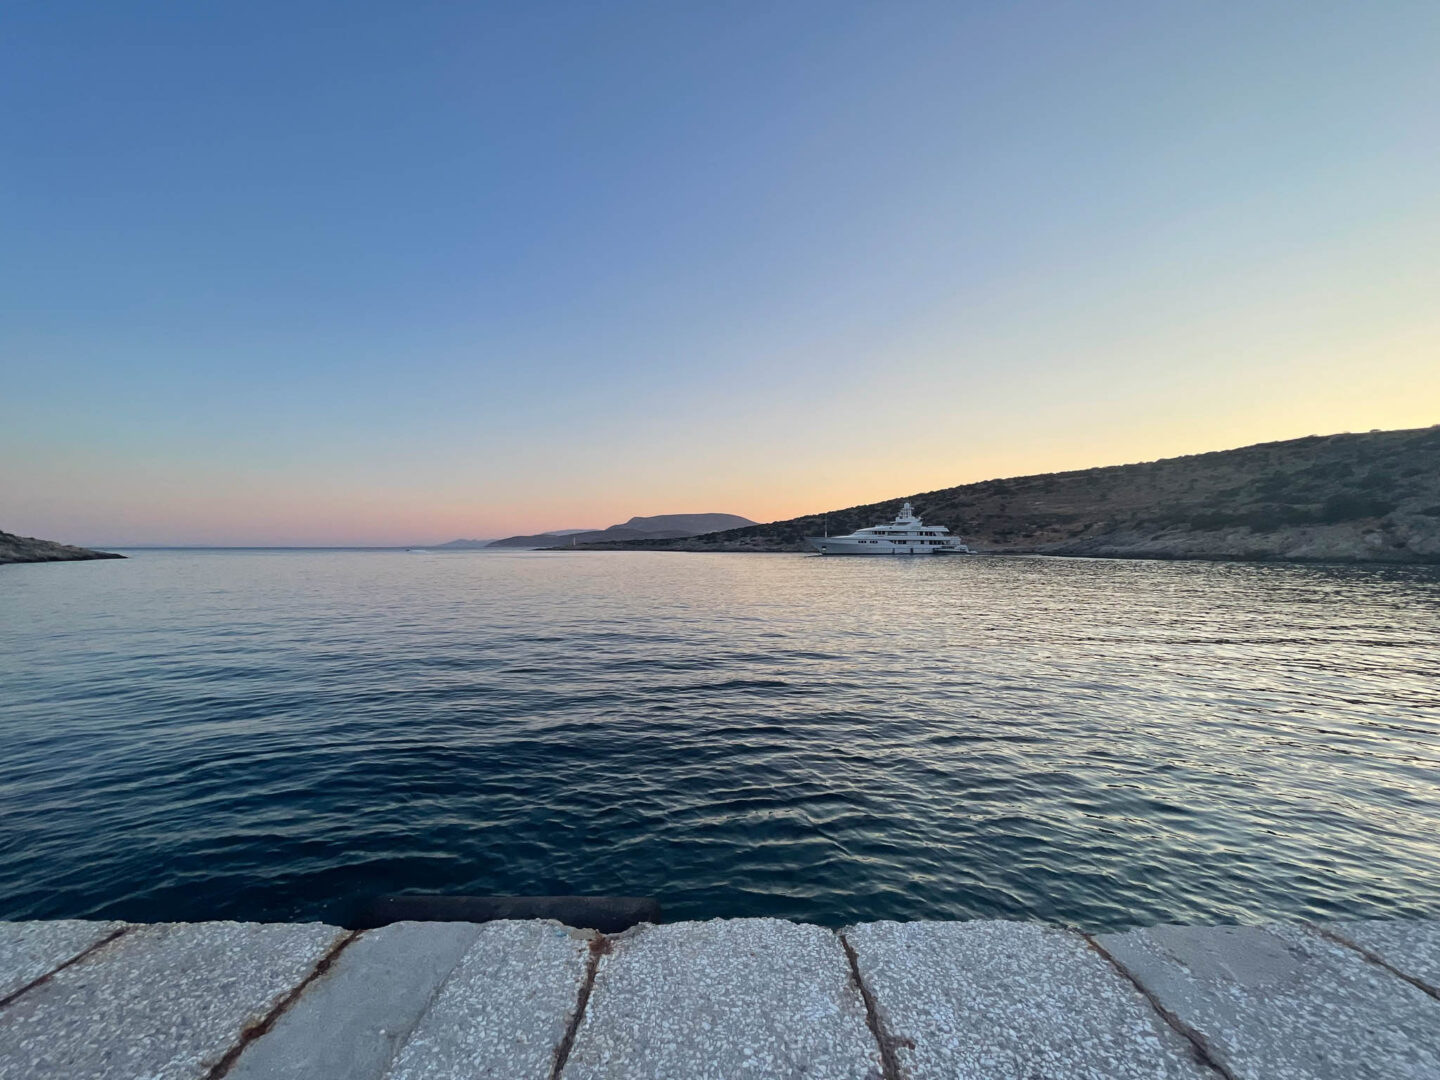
point(1142, 555)
point(16, 550)
point(1347, 498)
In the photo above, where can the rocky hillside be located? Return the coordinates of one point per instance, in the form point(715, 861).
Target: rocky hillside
point(1370, 497)
point(18, 549)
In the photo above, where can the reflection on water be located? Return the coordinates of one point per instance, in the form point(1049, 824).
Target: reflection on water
point(271, 735)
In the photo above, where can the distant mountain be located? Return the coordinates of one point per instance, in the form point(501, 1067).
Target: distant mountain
point(22, 549)
point(659, 527)
point(537, 540)
point(461, 545)
point(1371, 497)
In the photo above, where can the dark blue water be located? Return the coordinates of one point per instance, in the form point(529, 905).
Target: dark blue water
point(273, 735)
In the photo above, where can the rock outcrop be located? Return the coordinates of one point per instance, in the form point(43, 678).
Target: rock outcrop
point(23, 549)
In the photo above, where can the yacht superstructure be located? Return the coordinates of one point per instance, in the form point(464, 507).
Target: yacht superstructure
point(906, 535)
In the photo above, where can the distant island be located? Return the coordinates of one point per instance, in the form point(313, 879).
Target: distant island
point(27, 549)
point(461, 545)
point(543, 538)
point(658, 527)
point(1350, 498)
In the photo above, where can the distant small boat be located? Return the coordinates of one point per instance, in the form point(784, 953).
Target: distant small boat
point(418, 551)
point(906, 535)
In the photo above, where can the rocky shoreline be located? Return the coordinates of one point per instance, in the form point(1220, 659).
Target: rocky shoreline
point(28, 549)
point(1355, 544)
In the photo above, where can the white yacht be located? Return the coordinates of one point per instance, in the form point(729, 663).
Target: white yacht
point(906, 535)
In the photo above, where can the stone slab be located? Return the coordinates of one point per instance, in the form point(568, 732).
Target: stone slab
point(1409, 946)
point(162, 1002)
point(505, 1008)
point(350, 1022)
point(1283, 1003)
point(1011, 1001)
point(29, 950)
point(719, 1000)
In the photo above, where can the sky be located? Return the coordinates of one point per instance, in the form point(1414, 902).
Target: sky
point(364, 273)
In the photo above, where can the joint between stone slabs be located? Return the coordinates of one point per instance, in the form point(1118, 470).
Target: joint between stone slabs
point(256, 1030)
point(889, 1060)
point(600, 945)
point(1340, 939)
point(81, 955)
point(1201, 1048)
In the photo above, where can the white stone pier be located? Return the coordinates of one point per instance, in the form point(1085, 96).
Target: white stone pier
point(744, 999)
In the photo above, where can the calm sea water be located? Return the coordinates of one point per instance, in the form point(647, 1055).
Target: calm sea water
point(274, 735)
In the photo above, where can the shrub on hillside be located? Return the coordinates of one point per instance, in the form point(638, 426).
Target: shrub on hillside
point(1351, 505)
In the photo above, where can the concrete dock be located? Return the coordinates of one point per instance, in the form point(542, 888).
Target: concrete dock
point(748, 998)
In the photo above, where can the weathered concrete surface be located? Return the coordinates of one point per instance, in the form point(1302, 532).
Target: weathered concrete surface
point(717, 1000)
point(29, 950)
point(1411, 947)
point(1011, 1001)
point(505, 1008)
point(160, 1002)
point(1283, 1003)
point(748, 998)
point(351, 1021)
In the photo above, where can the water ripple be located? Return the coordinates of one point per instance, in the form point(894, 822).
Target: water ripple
point(197, 735)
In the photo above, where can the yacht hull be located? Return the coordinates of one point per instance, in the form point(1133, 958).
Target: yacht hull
point(907, 535)
point(843, 545)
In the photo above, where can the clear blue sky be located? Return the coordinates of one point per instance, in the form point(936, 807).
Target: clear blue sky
point(357, 272)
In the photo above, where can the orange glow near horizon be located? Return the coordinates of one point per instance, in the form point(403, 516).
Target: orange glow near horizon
point(264, 513)
point(767, 266)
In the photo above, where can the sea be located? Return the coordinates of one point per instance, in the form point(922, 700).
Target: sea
point(282, 735)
